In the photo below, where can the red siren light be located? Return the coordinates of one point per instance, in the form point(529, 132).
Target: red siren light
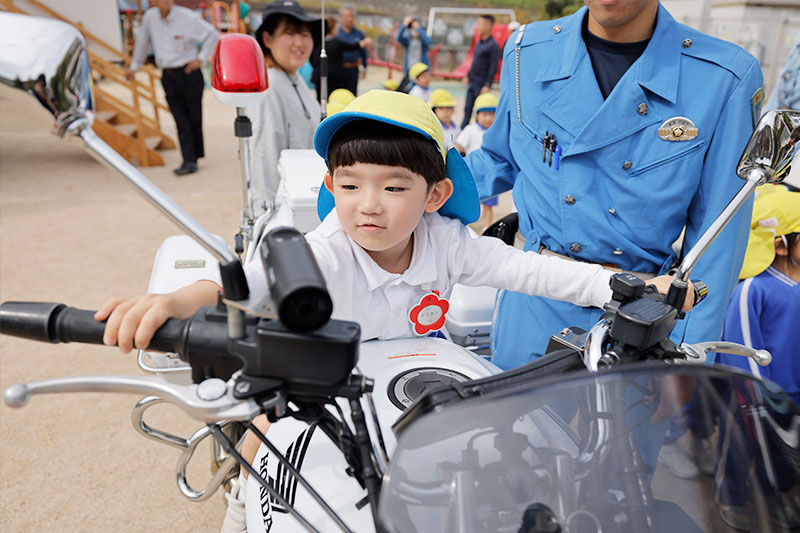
point(238, 71)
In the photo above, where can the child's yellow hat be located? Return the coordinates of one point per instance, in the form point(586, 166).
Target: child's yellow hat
point(391, 85)
point(442, 98)
point(343, 96)
point(416, 69)
point(334, 106)
point(776, 212)
point(486, 102)
point(412, 114)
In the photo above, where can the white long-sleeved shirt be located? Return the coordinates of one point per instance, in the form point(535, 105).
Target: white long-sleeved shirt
point(287, 118)
point(174, 39)
point(445, 253)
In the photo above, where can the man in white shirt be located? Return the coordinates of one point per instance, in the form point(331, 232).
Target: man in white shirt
point(174, 32)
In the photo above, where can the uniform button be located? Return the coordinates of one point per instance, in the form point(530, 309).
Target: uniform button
point(575, 247)
point(617, 251)
point(612, 211)
point(642, 109)
point(569, 199)
point(687, 43)
point(626, 165)
point(556, 29)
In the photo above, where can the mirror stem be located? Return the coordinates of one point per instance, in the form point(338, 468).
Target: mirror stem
point(233, 279)
point(755, 178)
point(183, 219)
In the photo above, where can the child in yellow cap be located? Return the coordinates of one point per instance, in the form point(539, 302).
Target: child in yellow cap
point(470, 139)
point(443, 106)
point(471, 136)
point(763, 313)
point(420, 74)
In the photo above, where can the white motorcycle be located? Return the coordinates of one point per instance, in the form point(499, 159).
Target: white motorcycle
point(419, 434)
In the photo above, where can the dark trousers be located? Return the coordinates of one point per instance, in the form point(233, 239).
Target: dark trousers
point(185, 95)
point(473, 90)
point(349, 79)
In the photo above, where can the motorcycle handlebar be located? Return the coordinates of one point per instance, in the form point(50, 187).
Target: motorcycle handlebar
point(55, 322)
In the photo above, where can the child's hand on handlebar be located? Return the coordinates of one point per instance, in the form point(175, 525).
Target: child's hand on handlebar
point(133, 322)
point(663, 282)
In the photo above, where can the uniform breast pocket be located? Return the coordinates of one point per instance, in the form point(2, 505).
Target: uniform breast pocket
point(656, 192)
point(669, 157)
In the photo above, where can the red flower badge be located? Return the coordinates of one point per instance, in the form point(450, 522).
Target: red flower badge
point(429, 314)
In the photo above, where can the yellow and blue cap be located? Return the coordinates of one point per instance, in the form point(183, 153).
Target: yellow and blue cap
point(341, 95)
point(416, 69)
point(442, 98)
point(412, 114)
point(486, 102)
point(776, 212)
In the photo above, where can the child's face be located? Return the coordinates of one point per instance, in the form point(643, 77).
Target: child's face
point(424, 79)
point(485, 118)
point(379, 206)
point(445, 114)
point(290, 46)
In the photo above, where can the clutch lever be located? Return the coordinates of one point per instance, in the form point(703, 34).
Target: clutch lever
point(210, 401)
point(696, 353)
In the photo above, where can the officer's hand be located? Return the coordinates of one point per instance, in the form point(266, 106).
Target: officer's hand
point(662, 283)
point(192, 65)
point(465, 80)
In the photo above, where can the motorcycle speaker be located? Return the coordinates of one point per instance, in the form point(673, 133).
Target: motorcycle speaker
point(295, 282)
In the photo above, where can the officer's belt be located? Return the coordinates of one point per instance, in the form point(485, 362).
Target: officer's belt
point(607, 266)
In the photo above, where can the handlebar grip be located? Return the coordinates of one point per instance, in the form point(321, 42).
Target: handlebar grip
point(700, 291)
point(54, 322)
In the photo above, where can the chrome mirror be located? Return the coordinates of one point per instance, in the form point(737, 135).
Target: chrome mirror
point(771, 148)
point(47, 58)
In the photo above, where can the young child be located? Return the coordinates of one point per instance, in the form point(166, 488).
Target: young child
point(443, 106)
point(470, 139)
point(393, 207)
point(763, 313)
point(420, 74)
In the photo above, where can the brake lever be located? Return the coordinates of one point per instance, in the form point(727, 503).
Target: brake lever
point(696, 353)
point(209, 401)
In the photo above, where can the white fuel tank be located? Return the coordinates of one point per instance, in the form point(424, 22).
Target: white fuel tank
point(402, 370)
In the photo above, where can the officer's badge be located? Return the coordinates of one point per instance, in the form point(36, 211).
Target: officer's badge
point(758, 103)
point(677, 129)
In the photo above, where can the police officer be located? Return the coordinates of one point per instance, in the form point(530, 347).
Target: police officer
point(617, 127)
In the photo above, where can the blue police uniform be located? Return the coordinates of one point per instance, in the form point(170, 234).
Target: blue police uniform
point(619, 193)
point(786, 94)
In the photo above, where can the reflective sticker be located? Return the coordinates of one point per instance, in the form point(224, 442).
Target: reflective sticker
point(758, 103)
point(190, 263)
point(677, 129)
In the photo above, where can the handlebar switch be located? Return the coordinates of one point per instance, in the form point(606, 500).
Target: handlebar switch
point(626, 287)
